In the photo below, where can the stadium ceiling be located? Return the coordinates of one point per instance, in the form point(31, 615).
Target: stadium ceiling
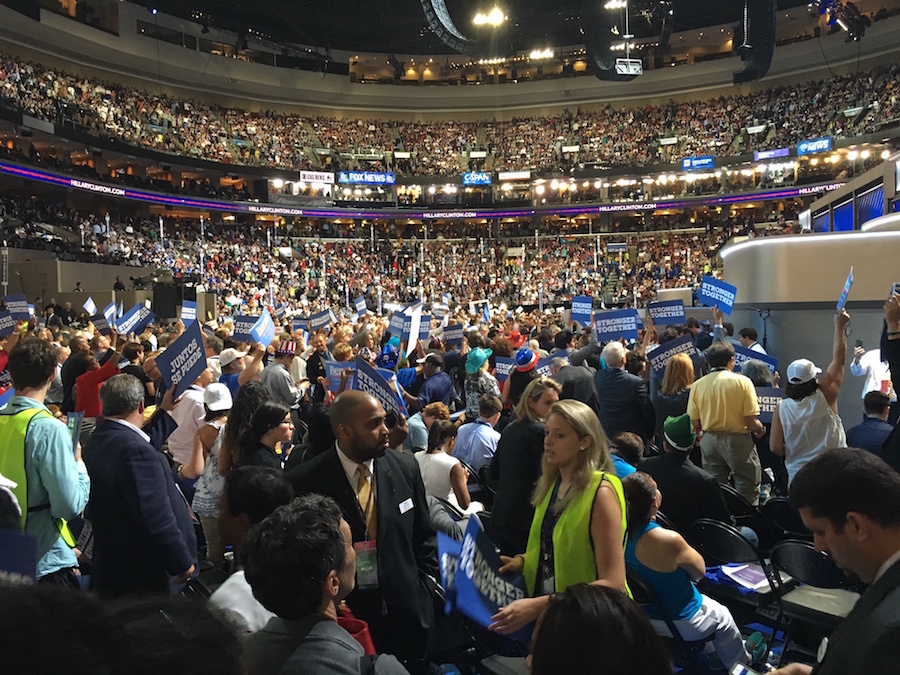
point(401, 26)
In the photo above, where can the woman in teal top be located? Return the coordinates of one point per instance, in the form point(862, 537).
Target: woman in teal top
point(577, 534)
point(667, 564)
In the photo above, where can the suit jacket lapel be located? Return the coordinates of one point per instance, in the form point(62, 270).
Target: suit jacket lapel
point(343, 493)
point(385, 480)
point(869, 600)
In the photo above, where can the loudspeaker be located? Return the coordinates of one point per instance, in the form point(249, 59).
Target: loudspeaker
point(166, 298)
point(758, 45)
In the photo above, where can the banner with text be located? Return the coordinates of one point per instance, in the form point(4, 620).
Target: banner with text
point(243, 324)
point(617, 323)
point(135, 320)
point(263, 330)
point(360, 304)
point(183, 361)
point(742, 355)
point(368, 379)
point(660, 356)
point(582, 306)
point(101, 325)
point(453, 335)
point(319, 320)
point(7, 323)
point(17, 305)
point(716, 293)
point(666, 312)
point(188, 312)
point(768, 398)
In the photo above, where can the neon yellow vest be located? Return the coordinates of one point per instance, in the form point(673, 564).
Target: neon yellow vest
point(13, 429)
point(574, 561)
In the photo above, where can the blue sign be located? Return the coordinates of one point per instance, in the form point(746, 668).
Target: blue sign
point(503, 366)
point(666, 312)
point(7, 323)
point(770, 154)
point(263, 330)
point(425, 327)
point(135, 320)
point(319, 320)
point(742, 355)
point(716, 293)
point(844, 293)
point(477, 178)
point(18, 556)
point(448, 561)
point(698, 163)
point(360, 304)
point(183, 361)
point(4, 399)
point(334, 370)
point(542, 367)
point(453, 335)
point(814, 145)
point(366, 178)
point(17, 305)
point(299, 323)
point(768, 398)
point(101, 325)
point(370, 380)
point(110, 312)
point(188, 312)
point(660, 356)
point(617, 323)
point(242, 326)
point(582, 306)
point(616, 247)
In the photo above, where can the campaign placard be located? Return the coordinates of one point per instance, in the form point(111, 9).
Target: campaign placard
point(263, 330)
point(89, 306)
point(660, 356)
point(448, 561)
point(188, 312)
point(742, 355)
point(334, 370)
point(503, 366)
point(617, 323)
point(135, 320)
point(439, 311)
point(666, 312)
point(542, 367)
point(425, 328)
point(243, 324)
point(844, 293)
point(716, 293)
point(183, 361)
point(17, 305)
point(110, 312)
point(453, 335)
point(319, 320)
point(360, 304)
point(582, 306)
point(300, 323)
point(370, 380)
point(101, 325)
point(7, 323)
point(768, 398)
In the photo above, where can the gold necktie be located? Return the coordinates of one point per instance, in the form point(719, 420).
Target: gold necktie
point(366, 496)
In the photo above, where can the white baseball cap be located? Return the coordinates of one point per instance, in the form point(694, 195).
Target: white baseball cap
point(217, 397)
point(230, 355)
point(802, 371)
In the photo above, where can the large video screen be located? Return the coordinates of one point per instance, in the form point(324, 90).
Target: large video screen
point(822, 221)
point(870, 204)
point(843, 216)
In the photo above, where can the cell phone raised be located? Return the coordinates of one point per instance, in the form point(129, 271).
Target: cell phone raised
point(859, 343)
point(740, 669)
point(895, 288)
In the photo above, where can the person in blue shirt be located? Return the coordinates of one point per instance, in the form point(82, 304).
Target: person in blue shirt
point(874, 430)
point(626, 450)
point(235, 372)
point(477, 442)
point(438, 386)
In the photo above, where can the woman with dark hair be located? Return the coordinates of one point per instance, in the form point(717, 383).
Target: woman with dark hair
point(806, 421)
point(270, 426)
point(248, 399)
point(442, 473)
point(667, 564)
point(520, 377)
point(590, 629)
point(761, 376)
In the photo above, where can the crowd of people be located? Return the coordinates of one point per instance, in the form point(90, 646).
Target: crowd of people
point(625, 136)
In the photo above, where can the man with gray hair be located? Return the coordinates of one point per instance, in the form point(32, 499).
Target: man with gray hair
point(623, 398)
point(577, 383)
point(144, 540)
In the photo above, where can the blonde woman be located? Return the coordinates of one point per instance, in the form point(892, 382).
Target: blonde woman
point(670, 399)
point(517, 465)
point(578, 530)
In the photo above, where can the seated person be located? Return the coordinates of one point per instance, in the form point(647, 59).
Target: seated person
point(874, 430)
point(443, 475)
point(667, 564)
point(301, 564)
point(476, 443)
point(627, 449)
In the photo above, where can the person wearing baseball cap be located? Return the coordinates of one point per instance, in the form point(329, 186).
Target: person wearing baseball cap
point(437, 386)
point(806, 421)
point(235, 372)
point(277, 375)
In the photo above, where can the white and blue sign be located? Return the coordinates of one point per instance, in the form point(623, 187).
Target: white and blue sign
point(425, 327)
point(617, 323)
point(503, 366)
point(582, 306)
point(243, 324)
point(101, 325)
point(477, 178)
point(453, 335)
point(616, 247)
point(183, 361)
point(135, 320)
point(360, 304)
point(844, 293)
point(742, 355)
point(768, 398)
point(448, 561)
point(370, 380)
point(698, 163)
point(7, 323)
point(716, 293)
point(770, 154)
point(263, 330)
point(109, 312)
point(366, 178)
point(334, 370)
point(660, 356)
point(188, 312)
point(299, 323)
point(319, 320)
point(17, 305)
point(814, 145)
point(89, 306)
point(666, 312)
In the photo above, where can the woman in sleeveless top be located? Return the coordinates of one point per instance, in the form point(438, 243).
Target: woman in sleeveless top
point(578, 531)
point(667, 564)
point(806, 421)
point(442, 473)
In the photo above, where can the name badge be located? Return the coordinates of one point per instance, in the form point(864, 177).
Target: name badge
point(406, 505)
point(366, 564)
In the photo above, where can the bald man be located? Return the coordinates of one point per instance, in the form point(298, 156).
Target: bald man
point(382, 497)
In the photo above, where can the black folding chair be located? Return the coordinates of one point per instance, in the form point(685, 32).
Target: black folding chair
point(786, 518)
point(687, 651)
point(665, 522)
point(484, 494)
point(743, 512)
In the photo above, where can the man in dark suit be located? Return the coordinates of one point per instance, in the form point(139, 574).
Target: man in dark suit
point(850, 500)
point(624, 398)
point(874, 430)
point(315, 365)
point(382, 497)
point(144, 540)
point(577, 383)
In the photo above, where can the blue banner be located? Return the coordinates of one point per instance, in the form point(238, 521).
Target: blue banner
point(698, 163)
point(844, 293)
point(360, 304)
point(660, 356)
point(370, 380)
point(188, 312)
point(183, 361)
point(742, 354)
point(453, 335)
point(110, 312)
point(299, 323)
point(476, 178)
point(89, 306)
point(334, 370)
point(17, 305)
point(425, 328)
point(542, 367)
point(448, 561)
point(366, 178)
point(666, 312)
point(814, 145)
point(770, 154)
point(101, 325)
point(263, 330)
point(716, 293)
point(7, 323)
point(582, 306)
point(319, 320)
point(768, 398)
point(480, 588)
point(243, 324)
point(504, 365)
point(135, 320)
point(617, 323)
